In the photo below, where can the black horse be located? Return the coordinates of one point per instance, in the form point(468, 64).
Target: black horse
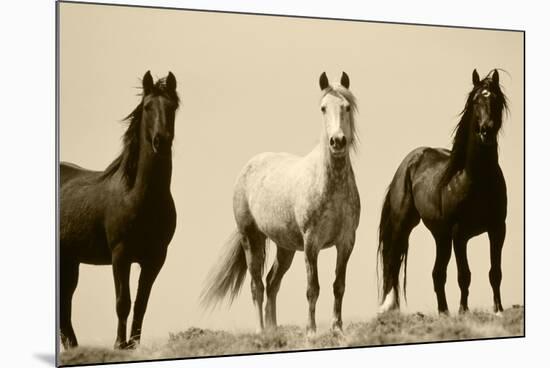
point(458, 194)
point(124, 214)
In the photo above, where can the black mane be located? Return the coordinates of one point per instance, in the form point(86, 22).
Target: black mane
point(462, 129)
point(130, 151)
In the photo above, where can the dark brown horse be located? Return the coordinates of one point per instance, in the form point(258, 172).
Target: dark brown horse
point(457, 194)
point(124, 214)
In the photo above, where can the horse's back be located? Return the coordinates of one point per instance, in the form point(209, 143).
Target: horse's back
point(421, 163)
point(416, 180)
point(266, 169)
point(266, 162)
point(69, 171)
point(81, 204)
point(421, 156)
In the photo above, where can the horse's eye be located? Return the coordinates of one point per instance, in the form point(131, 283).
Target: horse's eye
point(323, 109)
point(347, 108)
point(485, 93)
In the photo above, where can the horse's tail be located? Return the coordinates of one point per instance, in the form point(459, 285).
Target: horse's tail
point(226, 278)
point(393, 248)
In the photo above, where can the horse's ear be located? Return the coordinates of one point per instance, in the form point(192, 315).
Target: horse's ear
point(344, 81)
point(171, 82)
point(323, 81)
point(475, 78)
point(495, 77)
point(147, 83)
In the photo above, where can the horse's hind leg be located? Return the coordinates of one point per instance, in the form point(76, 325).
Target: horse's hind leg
point(68, 279)
point(496, 238)
point(390, 295)
point(253, 244)
point(399, 217)
point(280, 266)
point(394, 256)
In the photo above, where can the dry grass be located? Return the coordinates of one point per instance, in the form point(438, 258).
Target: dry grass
point(390, 328)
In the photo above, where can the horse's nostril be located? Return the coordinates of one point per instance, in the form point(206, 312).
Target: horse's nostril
point(332, 141)
point(343, 141)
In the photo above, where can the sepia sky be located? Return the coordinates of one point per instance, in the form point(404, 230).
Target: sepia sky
point(249, 84)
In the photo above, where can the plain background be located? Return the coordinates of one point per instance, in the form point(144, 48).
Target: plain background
point(249, 84)
point(28, 187)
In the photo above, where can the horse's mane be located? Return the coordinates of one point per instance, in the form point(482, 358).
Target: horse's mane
point(461, 132)
point(130, 151)
point(346, 94)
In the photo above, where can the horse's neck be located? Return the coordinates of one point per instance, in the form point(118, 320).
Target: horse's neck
point(331, 172)
point(153, 175)
point(481, 161)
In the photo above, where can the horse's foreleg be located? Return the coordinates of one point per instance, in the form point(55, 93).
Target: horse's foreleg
point(339, 284)
point(68, 280)
point(439, 273)
point(254, 249)
point(280, 266)
point(121, 275)
point(147, 277)
point(496, 238)
point(463, 270)
point(312, 285)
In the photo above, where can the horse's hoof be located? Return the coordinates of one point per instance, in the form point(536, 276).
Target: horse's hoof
point(462, 311)
point(337, 327)
point(311, 333)
point(384, 310)
point(499, 314)
point(121, 345)
point(69, 346)
point(338, 332)
point(389, 304)
point(387, 309)
point(131, 345)
point(68, 343)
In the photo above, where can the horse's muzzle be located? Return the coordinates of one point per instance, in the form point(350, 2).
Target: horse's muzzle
point(487, 138)
point(161, 146)
point(338, 145)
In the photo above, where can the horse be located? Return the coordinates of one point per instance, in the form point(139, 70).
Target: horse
point(305, 203)
point(122, 215)
point(458, 194)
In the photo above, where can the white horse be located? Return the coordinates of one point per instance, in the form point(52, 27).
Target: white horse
point(300, 203)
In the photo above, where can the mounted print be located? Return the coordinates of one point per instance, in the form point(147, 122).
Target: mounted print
point(234, 183)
